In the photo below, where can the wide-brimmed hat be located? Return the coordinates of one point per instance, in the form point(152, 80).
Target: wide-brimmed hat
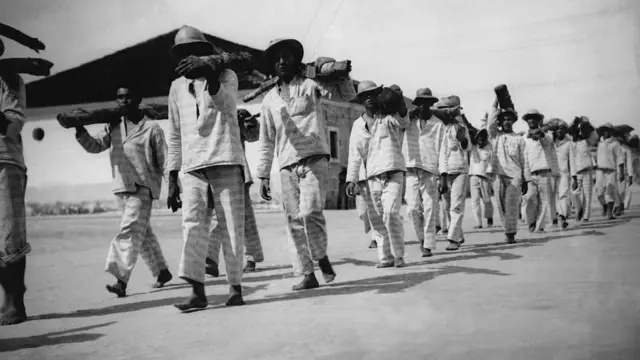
point(555, 123)
point(188, 36)
point(424, 94)
point(607, 125)
point(448, 102)
point(396, 88)
point(364, 87)
point(293, 45)
point(623, 129)
point(531, 113)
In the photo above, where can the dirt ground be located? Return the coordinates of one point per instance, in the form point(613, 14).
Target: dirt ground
point(572, 294)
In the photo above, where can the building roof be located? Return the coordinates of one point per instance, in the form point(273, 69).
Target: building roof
point(149, 64)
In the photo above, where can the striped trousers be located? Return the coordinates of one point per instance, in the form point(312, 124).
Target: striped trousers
point(624, 192)
point(583, 196)
point(362, 208)
point(443, 210)
point(252, 244)
point(135, 238)
point(421, 196)
point(508, 195)
point(481, 195)
point(228, 195)
point(13, 225)
point(458, 184)
point(563, 194)
point(540, 200)
point(303, 198)
point(607, 186)
point(384, 208)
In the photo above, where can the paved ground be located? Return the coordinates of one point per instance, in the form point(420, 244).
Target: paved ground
point(571, 294)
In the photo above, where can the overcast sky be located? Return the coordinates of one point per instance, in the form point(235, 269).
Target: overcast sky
point(563, 57)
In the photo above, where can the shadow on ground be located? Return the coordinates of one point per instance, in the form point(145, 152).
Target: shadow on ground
point(54, 338)
point(136, 306)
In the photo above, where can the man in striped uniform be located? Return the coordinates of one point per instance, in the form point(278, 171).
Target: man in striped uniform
point(250, 132)
point(540, 200)
point(377, 142)
point(13, 183)
point(563, 150)
point(454, 165)
point(625, 178)
point(294, 129)
point(421, 150)
point(480, 182)
point(137, 151)
point(609, 166)
point(204, 143)
point(509, 167)
point(582, 166)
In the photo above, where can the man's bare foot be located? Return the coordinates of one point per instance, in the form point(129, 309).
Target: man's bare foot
point(163, 278)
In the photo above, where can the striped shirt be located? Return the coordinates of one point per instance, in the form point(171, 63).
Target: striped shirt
point(608, 154)
point(626, 158)
point(580, 157)
point(479, 159)
point(291, 125)
point(137, 157)
point(13, 101)
point(379, 147)
point(422, 144)
point(203, 128)
point(563, 151)
point(453, 158)
point(541, 154)
point(509, 152)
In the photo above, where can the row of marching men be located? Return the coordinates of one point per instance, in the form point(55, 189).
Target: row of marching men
point(538, 175)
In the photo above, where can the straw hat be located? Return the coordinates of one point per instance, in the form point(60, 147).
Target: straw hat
point(424, 95)
point(366, 86)
point(188, 36)
point(294, 45)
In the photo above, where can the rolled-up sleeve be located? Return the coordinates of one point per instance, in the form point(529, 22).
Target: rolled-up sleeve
point(13, 103)
point(174, 140)
point(266, 144)
point(225, 99)
point(95, 144)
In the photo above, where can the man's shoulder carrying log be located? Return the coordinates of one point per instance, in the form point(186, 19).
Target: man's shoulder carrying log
point(237, 62)
point(323, 69)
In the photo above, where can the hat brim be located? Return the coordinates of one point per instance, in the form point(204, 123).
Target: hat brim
point(292, 44)
point(508, 112)
point(358, 97)
point(528, 116)
point(206, 46)
point(425, 99)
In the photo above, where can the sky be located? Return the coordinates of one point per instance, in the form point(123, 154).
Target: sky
point(563, 57)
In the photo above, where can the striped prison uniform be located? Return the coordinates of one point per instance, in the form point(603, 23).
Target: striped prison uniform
point(563, 193)
point(204, 143)
point(454, 161)
point(582, 167)
point(13, 172)
point(510, 167)
point(137, 153)
point(540, 199)
point(626, 159)
point(608, 162)
point(377, 143)
point(421, 150)
point(480, 182)
point(295, 130)
point(252, 244)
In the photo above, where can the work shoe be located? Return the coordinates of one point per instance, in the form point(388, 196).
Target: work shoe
point(385, 264)
point(511, 238)
point(453, 245)
point(212, 268)
point(327, 270)
point(373, 244)
point(235, 296)
point(308, 282)
point(399, 263)
point(490, 222)
point(250, 266)
point(426, 252)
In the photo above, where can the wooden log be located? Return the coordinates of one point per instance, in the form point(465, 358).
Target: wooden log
point(21, 38)
point(31, 66)
point(329, 70)
point(81, 117)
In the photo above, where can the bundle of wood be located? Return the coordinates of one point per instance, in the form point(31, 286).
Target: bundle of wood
point(324, 69)
point(82, 117)
point(31, 66)
point(238, 62)
point(19, 37)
